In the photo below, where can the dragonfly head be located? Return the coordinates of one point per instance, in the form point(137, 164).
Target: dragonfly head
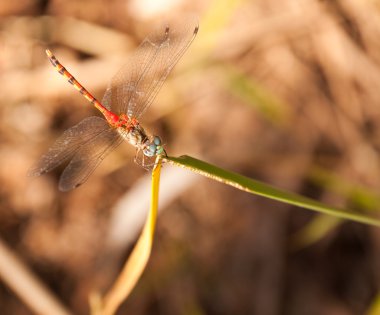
point(153, 147)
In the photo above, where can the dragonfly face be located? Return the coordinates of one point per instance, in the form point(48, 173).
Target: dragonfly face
point(154, 147)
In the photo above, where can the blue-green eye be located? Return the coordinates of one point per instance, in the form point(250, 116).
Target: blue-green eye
point(152, 148)
point(160, 150)
point(157, 141)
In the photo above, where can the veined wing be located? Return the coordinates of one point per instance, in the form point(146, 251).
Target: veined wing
point(135, 86)
point(68, 143)
point(88, 157)
point(92, 135)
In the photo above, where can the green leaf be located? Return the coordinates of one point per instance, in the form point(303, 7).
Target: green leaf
point(362, 197)
point(314, 231)
point(254, 94)
point(258, 188)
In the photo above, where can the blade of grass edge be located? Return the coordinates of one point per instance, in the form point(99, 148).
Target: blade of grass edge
point(255, 187)
point(139, 257)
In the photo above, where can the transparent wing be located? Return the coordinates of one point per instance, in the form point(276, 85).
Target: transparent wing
point(88, 157)
point(68, 143)
point(135, 86)
point(86, 144)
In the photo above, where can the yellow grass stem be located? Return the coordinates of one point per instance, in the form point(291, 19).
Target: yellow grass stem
point(139, 257)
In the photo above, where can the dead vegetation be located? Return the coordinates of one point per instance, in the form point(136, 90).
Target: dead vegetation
point(283, 91)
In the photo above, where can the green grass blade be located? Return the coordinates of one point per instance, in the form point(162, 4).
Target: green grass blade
point(362, 197)
point(258, 188)
point(265, 103)
point(312, 232)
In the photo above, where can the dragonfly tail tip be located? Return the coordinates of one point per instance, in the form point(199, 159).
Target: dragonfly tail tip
point(48, 53)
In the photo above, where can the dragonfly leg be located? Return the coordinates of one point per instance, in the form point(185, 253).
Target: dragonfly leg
point(136, 159)
point(144, 161)
point(140, 160)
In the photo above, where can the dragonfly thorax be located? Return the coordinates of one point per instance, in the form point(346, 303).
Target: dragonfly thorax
point(135, 135)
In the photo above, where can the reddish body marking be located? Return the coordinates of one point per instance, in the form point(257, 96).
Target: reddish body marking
point(112, 118)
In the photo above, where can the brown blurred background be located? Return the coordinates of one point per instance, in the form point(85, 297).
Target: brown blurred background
point(286, 92)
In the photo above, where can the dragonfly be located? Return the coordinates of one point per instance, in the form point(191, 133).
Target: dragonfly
point(127, 97)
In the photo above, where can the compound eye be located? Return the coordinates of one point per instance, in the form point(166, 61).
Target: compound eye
point(157, 141)
point(159, 150)
point(152, 148)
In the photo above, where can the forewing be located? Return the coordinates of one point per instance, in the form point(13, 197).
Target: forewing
point(87, 158)
point(137, 83)
point(68, 143)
